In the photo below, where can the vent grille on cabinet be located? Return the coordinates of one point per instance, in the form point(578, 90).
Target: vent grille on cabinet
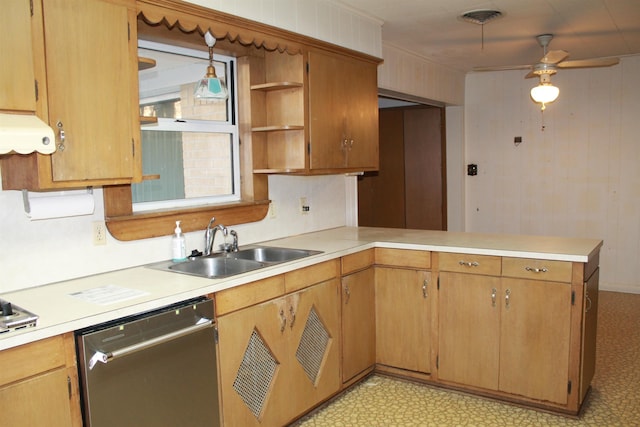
point(313, 346)
point(255, 374)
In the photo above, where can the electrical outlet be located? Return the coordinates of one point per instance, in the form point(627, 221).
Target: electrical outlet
point(99, 233)
point(272, 210)
point(304, 206)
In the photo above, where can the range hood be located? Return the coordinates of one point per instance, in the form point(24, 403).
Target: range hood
point(24, 134)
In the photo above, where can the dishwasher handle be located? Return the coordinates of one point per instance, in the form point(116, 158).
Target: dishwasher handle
point(102, 357)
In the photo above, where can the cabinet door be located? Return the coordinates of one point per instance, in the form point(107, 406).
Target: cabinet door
point(403, 318)
point(358, 323)
point(469, 329)
point(535, 338)
point(314, 346)
point(589, 328)
point(42, 400)
point(362, 130)
point(343, 112)
point(89, 88)
point(280, 358)
point(253, 365)
point(327, 111)
point(17, 79)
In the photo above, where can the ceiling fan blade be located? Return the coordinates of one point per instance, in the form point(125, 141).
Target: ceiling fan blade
point(554, 56)
point(530, 75)
point(502, 68)
point(586, 63)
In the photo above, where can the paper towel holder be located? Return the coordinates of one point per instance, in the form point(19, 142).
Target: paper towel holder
point(27, 204)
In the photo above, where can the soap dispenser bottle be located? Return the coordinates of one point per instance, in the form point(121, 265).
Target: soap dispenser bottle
point(178, 245)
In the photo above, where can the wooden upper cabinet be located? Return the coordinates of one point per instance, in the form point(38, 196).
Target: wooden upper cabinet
point(343, 112)
point(88, 93)
point(89, 88)
point(17, 79)
point(331, 127)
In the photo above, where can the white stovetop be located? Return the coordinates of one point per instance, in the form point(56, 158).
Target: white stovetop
point(60, 312)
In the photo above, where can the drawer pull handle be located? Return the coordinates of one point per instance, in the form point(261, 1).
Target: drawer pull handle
point(469, 263)
point(537, 270)
point(424, 289)
point(347, 293)
point(494, 294)
point(589, 303)
point(507, 297)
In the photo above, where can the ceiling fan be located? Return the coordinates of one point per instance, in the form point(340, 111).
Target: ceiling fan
point(548, 65)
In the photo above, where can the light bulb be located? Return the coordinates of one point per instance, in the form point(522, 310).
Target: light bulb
point(545, 92)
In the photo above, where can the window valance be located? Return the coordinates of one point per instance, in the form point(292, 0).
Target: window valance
point(190, 18)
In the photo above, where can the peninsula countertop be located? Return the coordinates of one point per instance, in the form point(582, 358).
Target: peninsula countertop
point(60, 310)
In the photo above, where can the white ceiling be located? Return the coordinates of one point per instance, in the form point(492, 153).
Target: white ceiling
point(431, 28)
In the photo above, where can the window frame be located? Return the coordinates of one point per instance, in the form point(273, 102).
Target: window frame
point(181, 124)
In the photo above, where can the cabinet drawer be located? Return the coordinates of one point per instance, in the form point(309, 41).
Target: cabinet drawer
point(403, 258)
point(466, 263)
point(250, 294)
point(307, 276)
point(553, 271)
point(357, 261)
point(31, 359)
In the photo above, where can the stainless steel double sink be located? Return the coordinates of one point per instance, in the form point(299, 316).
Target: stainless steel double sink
point(225, 264)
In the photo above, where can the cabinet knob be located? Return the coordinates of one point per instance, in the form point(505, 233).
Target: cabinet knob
point(507, 297)
point(424, 288)
point(494, 294)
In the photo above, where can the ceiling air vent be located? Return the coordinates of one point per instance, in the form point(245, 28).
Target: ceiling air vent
point(481, 16)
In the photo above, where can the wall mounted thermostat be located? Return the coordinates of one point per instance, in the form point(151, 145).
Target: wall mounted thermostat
point(472, 169)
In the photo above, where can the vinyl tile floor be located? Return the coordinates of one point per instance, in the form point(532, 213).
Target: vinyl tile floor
point(614, 398)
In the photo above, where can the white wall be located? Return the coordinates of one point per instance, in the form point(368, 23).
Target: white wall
point(577, 177)
point(41, 252)
point(456, 168)
point(407, 73)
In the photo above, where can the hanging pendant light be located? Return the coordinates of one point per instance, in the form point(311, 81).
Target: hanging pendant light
point(210, 86)
point(545, 92)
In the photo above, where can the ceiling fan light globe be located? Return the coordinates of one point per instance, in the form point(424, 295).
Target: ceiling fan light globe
point(545, 93)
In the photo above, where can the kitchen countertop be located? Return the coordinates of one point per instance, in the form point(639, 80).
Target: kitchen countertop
point(60, 312)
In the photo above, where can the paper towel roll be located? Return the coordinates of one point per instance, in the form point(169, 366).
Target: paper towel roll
point(60, 206)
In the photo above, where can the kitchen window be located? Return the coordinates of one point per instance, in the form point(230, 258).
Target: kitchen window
point(190, 148)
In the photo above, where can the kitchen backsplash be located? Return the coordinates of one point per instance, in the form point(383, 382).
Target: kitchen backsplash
point(34, 253)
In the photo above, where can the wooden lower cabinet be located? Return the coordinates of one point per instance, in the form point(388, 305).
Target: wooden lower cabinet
point(506, 334)
point(280, 358)
point(39, 384)
point(469, 329)
point(358, 323)
point(403, 318)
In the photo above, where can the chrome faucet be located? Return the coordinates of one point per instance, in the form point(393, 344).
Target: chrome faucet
point(234, 245)
point(210, 236)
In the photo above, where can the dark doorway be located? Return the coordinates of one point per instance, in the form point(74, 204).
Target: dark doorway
point(409, 190)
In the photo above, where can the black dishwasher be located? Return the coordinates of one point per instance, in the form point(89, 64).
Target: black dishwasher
point(153, 369)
